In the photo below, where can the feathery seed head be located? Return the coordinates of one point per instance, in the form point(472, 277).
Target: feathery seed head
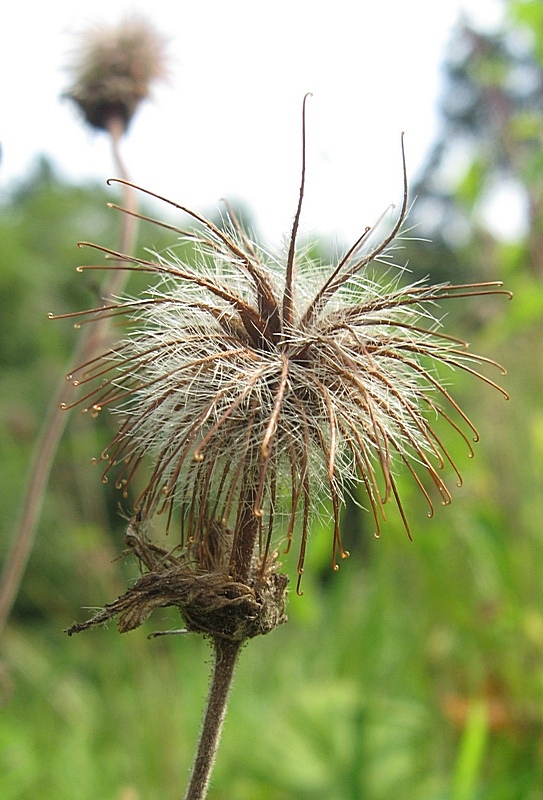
point(258, 386)
point(113, 70)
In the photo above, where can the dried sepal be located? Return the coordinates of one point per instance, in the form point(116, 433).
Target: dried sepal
point(209, 600)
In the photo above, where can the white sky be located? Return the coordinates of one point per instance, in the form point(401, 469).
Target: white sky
point(228, 123)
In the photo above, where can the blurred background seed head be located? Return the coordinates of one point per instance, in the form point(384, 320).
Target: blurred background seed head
point(113, 70)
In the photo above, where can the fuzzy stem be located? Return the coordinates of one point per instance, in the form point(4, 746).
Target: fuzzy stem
point(226, 655)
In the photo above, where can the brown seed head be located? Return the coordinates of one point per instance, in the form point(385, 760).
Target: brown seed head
point(261, 386)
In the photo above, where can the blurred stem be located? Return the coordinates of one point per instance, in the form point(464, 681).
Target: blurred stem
point(225, 659)
point(92, 339)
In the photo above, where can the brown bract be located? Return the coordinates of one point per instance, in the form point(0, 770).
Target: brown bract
point(209, 600)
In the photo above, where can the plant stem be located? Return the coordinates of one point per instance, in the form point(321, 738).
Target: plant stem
point(56, 419)
point(225, 659)
point(241, 558)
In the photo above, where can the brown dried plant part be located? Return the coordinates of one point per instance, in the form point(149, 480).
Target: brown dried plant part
point(210, 602)
point(260, 386)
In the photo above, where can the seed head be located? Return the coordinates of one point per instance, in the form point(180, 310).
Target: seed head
point(113, 70)
point(261, 385)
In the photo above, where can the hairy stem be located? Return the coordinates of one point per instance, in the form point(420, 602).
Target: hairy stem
point(225, 659)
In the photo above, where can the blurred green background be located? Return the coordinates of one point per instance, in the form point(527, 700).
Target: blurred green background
point(417, 670)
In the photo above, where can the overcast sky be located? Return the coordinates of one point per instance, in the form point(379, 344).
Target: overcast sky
point(228, 122)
